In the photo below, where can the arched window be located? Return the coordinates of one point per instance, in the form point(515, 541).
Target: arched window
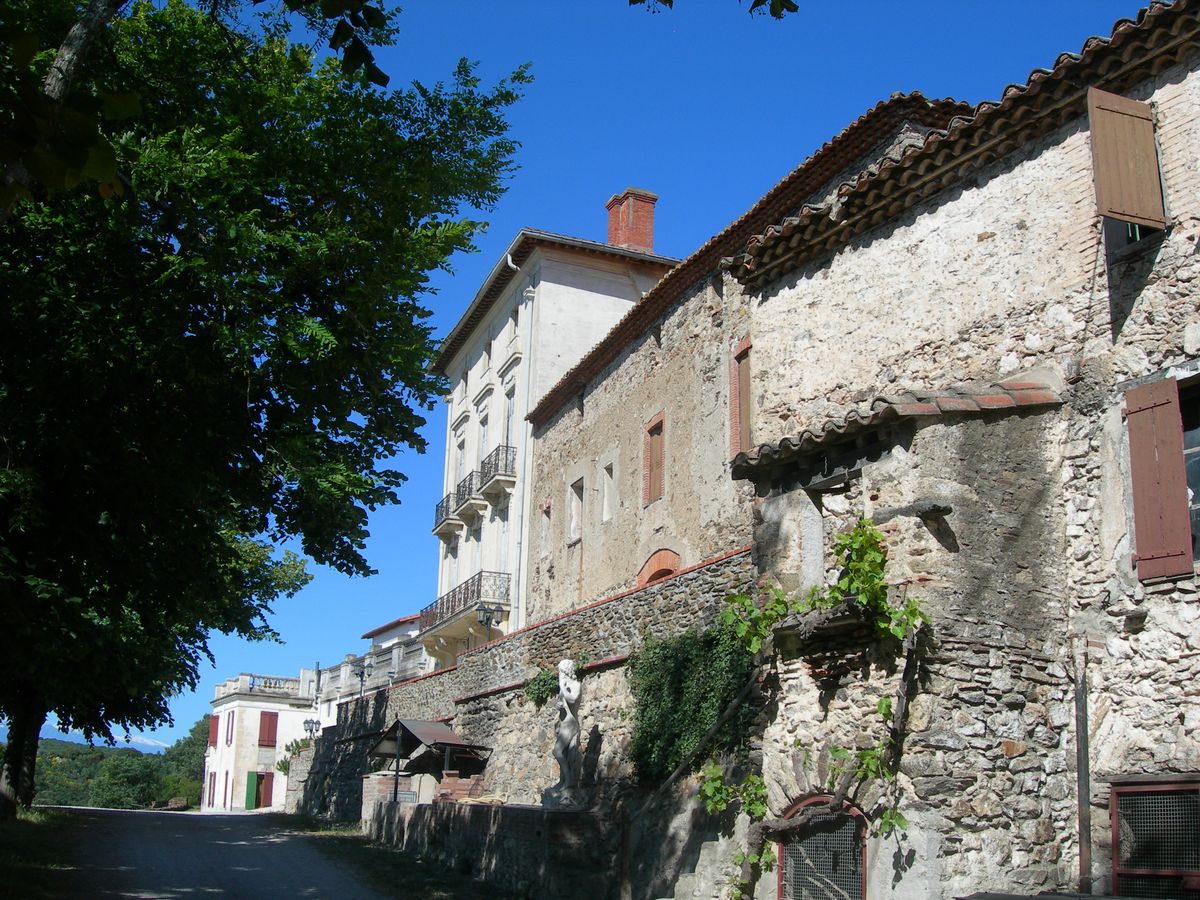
point(824, 860)
point(660, 564)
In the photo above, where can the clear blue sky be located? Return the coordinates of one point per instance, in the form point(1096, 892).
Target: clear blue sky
point(704, 105)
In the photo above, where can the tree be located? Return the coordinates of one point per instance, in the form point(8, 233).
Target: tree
point(777, 8)
point(127, 780)
point(223, 357)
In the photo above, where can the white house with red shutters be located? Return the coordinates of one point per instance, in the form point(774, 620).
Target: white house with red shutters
point(254, 718)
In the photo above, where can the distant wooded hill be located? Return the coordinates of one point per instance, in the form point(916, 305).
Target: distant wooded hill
point(70, 774)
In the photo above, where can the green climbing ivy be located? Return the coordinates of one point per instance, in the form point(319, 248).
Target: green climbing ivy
point(541, 687)
point(681, 686)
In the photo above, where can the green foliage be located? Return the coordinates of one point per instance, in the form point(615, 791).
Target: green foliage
point(750, 621)
point(681, 686)
point(862, 583)
point(127, 780)
point(227, 357)
point(290, 749)
point(541, 687)
point(717, 793)
point(776, 8)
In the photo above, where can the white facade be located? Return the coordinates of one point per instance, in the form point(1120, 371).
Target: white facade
point(530, 323)
point(243, 749)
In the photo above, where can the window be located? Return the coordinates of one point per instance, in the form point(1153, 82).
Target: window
point(229, 729)
point(268, 728)
point(825, 858)
point(483, 439)
point(652, 468)
point(477, 548)
point(607, 495)
point(739, 399)
point(1156, 839)
point(214, 725)
point(575, 517)
point(460, 459)
point(1125, 165)
point(1164, 468)
point(510, 409)
point(502, 546)
point(212, 789)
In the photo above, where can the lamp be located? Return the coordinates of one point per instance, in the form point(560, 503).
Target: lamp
point(488, 616)
point(311, 727)
point(362, 671)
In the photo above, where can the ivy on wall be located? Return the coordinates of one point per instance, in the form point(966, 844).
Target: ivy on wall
point(681, 686)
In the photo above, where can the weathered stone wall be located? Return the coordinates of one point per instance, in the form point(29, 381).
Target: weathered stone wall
point(483, 697)
point(985, 778)
point(1004, 274)
point(681, 370)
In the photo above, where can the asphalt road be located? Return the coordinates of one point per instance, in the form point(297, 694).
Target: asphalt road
point(159, 854)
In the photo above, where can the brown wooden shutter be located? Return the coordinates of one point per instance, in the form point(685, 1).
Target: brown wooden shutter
point(268, 786)
point(1125, 159)
point(1162, 526)
point(656, 461)
point(214, 725)
point(268, 725)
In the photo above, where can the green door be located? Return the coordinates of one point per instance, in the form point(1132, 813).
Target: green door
point(251, 790)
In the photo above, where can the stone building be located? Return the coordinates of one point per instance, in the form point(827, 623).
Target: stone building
point(976, 327)
point(546, 301)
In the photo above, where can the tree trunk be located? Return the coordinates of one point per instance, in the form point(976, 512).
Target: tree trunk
point(20, 760)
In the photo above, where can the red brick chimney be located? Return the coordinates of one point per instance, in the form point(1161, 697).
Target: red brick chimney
point(631, 219)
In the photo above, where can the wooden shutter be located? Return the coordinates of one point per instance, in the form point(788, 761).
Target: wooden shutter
point(214, 725)
point(656, 462)
point(1125, 159)
point(268, 725)
point(268, 787)
point(252, 790)
point(1162, 526)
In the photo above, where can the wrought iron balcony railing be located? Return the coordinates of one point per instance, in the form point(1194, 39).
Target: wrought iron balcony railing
point(489, 586)
point(501, 461)
point(467, 488)
point(444, 510)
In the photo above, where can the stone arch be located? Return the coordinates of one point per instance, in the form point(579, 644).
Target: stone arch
point(661, 563)
point(831, 851)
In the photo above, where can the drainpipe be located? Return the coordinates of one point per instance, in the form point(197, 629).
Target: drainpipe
point(1083, 772)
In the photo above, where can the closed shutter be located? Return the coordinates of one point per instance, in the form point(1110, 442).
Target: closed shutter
point(214, 725)
point(656, 461)
point(1125, 159)
point(268, 725)
point(1162, 527)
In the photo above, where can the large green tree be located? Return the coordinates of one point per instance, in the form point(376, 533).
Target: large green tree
point(221, 355)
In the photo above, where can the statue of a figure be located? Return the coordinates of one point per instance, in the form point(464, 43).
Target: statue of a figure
point(566, 734)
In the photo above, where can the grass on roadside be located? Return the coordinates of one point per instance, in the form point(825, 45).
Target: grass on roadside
point(390, 871)
point(32, 851)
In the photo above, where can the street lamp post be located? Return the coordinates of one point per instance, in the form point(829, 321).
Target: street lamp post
point(311, 727)
point(488, 616)
point(362, 671)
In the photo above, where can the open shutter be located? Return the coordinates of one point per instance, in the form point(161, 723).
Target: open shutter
point(268, 725)
point(1162, 526)
point(214, 724)
point(1125, 159)
point(252, 790)
point(268, 788)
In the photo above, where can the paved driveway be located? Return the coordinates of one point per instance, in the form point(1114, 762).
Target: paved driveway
point(159, 854)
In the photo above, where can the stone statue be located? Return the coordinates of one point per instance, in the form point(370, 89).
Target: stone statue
point(566, 737)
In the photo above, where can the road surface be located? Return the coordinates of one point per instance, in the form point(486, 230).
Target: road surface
point(158, 854)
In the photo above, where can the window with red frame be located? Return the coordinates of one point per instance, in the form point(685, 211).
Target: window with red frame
point(825, 858)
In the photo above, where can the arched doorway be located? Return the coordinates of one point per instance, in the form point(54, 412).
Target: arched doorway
point(827, 858)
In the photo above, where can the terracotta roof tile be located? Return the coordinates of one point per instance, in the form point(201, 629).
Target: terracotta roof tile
point(1048, 99)
point(758, 463)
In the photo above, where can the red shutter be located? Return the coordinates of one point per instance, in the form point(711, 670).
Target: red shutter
point(1125, 159)
point(268, 725)
point(214, 723)
point(1162, 526)
point(268, 785)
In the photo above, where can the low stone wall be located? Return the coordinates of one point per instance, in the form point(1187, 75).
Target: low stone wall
point(531, 851)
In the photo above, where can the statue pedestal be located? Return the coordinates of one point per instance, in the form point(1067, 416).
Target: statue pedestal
point(564, 798)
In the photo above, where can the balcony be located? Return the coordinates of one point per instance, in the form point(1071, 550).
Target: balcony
point(445, 523)
point(489, 587)
point(498, 472)
point(468, 501)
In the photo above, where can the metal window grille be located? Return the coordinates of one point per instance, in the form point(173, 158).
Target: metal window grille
point(824, 861)
point(1156, 841)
